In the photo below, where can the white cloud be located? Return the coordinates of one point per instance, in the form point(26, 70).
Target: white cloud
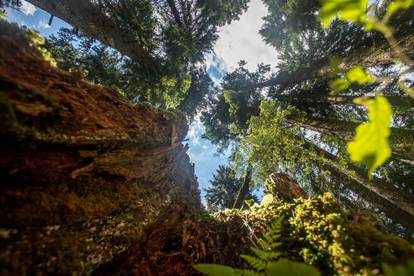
point(27, 8)
point(43, 25)
point(195, 131)
point(241, 40)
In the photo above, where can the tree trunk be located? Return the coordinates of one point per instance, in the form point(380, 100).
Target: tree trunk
point(283, 187)
point(396, 101)
point(401, 140)
point(398, 205)
point(88, 18)
point(244, 189)
point(174, 11)
point(377, 55)
point(84, 175)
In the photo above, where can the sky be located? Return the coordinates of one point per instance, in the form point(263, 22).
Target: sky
point(239, 40)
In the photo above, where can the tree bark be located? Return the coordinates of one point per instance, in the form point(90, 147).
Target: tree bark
point(244, 189)
point(87, 17)
point(84, 174)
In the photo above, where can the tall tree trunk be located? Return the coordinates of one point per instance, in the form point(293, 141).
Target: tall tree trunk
point(318, 98)
point(88, 18)
point(401, 140)
point(395, 203)
point(174, 11)
point(84, 175)
point(244, 189)
point(377, 55)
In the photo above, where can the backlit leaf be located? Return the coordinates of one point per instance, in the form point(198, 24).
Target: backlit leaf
point(349, 10)
point(339, 85)
point(370, 145)
point(399, 5)
point(358, 75)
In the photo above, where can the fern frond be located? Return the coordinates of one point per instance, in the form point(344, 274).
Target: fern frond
point(264, 244)
point(256, 263)
point(266, 256)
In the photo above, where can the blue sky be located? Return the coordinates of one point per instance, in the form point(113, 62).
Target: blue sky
point(239, 40)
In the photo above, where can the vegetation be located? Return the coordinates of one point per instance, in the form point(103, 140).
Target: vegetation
point(335, 115)
point(317, 232)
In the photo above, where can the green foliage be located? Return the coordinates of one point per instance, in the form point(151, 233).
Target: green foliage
point(351, 10)
point(223, 12)
point(397, 5)
point(265, 260)
point(269, 247)
point(357, 75)
point(285, 267)
point(370, 145)
point(38, 41)
point(275, 143)
point(224, 188)
point(399, 270)
point(216, 270)
point(318, 232)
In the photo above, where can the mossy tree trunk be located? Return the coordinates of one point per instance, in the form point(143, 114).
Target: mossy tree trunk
point(84, 174)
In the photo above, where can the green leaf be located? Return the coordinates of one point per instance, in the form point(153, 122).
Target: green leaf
point(397, 5)
point(249, 202)
point(406, 89)
point(358, 75)
point(354, 75)
point(339, 85)
point(370, 145)
point(216, 270)
point(399, 270)
point(284, 267)
point(348, 10)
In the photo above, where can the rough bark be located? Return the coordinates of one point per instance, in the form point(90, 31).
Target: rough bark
point(283, 187)
point(86, 16)
point(84, 175)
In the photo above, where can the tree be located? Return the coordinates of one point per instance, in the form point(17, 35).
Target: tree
point(224, 190)
point(275, 145)
point(227, 119)
point(162, 37)
point(196, 99)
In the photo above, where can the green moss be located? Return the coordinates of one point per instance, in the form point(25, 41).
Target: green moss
point(7, 115)
point(319, 232)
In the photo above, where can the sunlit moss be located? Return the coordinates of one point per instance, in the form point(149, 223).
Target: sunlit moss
point(319, 232)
